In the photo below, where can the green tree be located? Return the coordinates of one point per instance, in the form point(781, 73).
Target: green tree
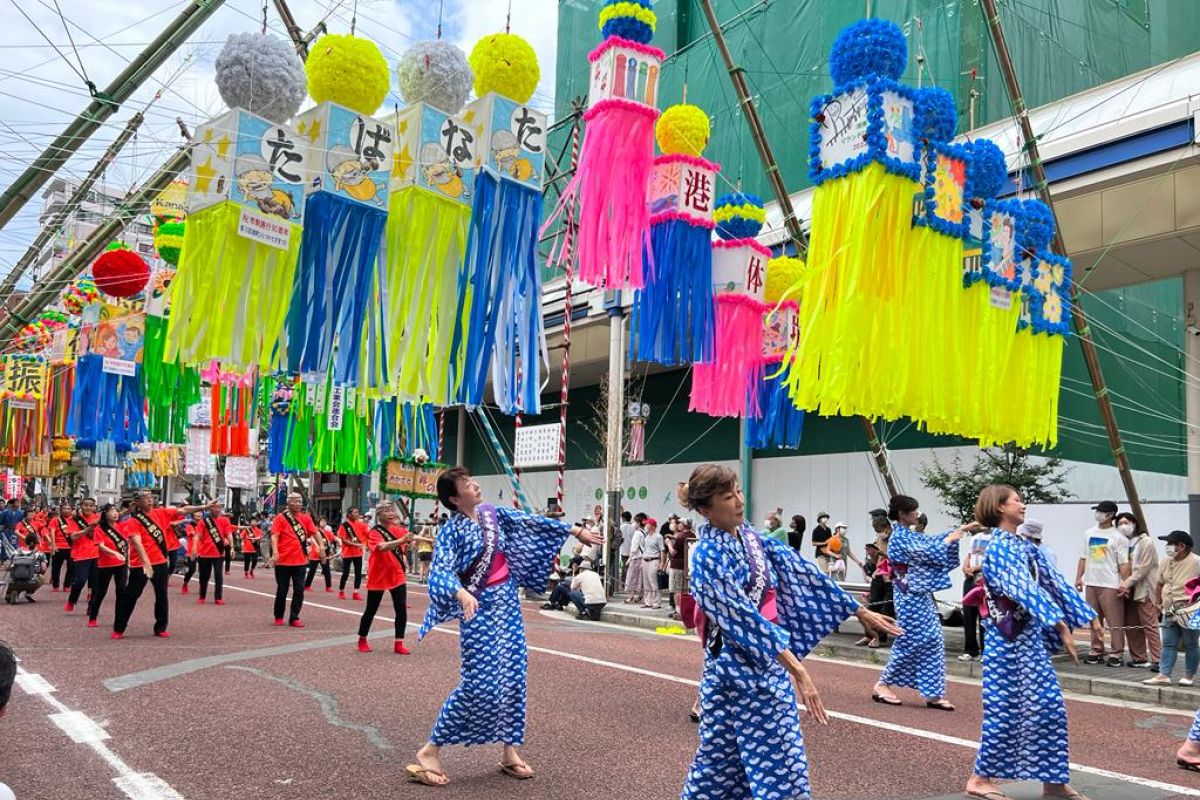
point(958, 485)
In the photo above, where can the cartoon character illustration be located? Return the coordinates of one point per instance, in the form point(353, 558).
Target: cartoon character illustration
point(256, 181)
point(106, 342)
point(129, 339)
point(898, 125)
point(440, 172)
point(352, 174)
point(507, 152)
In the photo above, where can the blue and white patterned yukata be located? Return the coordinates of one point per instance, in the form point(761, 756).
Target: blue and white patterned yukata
point(918, 658)
point(488, 705)
point(1024, 714)
point(1194, 733)
point(751, 745)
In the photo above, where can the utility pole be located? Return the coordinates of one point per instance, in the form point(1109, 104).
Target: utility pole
point(133, 204)
point(1082, 329)
point(104, 104)
point(52, 225)
point(771, 166)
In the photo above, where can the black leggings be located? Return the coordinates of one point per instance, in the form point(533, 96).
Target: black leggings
point(191, 570)
point(127, 600)
point(312, 573)
point(211, 566)
point(374, 598)
point(228, 558)
point(118, 576)
point(61, 556)
point(285, 577)
point(347, 563)
point(249, 561)
point(83, 574)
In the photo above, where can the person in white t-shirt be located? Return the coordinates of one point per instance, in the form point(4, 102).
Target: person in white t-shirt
point(587, 593)
point(626, 540)
point(1102, 569)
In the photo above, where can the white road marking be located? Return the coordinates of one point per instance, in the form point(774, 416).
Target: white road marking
point(32, 683)
point(853, 718)
point(84, 730)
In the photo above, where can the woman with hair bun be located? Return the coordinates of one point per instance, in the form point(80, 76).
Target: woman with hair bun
point(764, 608)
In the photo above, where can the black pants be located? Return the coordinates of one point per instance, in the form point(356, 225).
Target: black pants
point(172, 560)
point(118, 576)
point(249, 561)
point(880, 601)
point(57, 560)
point(347, 563)
point(191, 570)
point(228, 559)
point(972, 625)
point(128, 599)
point(83, 574)
point(399, 603)
point(211, 566)
point(561, 594)
point(312, 573)
point(285, 577)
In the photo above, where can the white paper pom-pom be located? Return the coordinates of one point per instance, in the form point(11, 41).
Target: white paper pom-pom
point(261, 74)
point(436, 73)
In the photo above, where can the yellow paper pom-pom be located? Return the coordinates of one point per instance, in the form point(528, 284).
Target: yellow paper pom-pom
point(683, 129)
point(506, 64)
point(782, 274)
point(348, 71)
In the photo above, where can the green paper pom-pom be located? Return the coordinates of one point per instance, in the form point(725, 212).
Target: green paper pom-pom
point(168, 241)
point(348, 71)
point(782, 274)
point(683, 129)
point(506, 64)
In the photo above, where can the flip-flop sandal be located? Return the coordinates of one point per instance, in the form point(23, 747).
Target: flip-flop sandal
point(993, 795)
point(1190, 766)
point(418, 774)
point(511, 771)
point(887, 701)
point(940, 705)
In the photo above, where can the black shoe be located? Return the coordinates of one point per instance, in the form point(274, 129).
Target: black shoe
point(548, 606)
point(28, 599)
point(1154, 667)
point(1090, 659)
point(1139, 664)
point(1114, 661)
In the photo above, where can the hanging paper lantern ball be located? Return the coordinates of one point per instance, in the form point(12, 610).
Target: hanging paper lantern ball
point(628, 19)
point(120, 272)
point(436, 73)
point(782, 274)
point(80, 293)
point(261, 74)
point(937, 114)
point(1037, 225)
point(348, 71)
point(168, 240)
point(738, 216)
point(987, 170)
point(52, 320)
point(868, 47)
point(683, 129)
point(506, 64)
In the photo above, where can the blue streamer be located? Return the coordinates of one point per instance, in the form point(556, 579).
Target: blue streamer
point(781, 424)
point(674, 317)
point(106, 408)
point(420, 429)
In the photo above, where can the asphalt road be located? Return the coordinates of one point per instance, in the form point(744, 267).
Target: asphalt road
point(232, 707)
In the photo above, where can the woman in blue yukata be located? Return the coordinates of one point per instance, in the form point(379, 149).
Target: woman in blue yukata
point(765, 608)
point(481, 555)
point(921, 565)
point(1188, 755)
point(1029, 612)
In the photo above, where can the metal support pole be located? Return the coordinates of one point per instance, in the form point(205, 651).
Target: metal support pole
point(104, 105)
point(460, 440)
point(746, 463)
point(1082, 330)
point(771, 166)
point(486, 424)
point(1191, 301)
point(614, 447)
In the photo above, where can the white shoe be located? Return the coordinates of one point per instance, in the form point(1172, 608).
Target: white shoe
point(1162, 680)
point(1186, 681)
point(966, 657)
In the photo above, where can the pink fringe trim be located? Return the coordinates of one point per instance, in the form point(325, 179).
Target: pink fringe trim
point(622, 104)
point(722, 388)
point(684, 158)
point(730, 244)
point(669, 216)
point(617, 41)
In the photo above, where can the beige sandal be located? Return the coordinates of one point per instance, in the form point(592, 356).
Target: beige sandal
point(511, 770)
point(418, 774)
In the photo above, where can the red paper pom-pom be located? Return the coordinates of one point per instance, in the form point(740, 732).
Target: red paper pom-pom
point(120, 273)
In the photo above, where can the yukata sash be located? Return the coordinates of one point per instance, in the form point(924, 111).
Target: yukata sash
point(1006, 614)
point(755, 586)
point(474, 577)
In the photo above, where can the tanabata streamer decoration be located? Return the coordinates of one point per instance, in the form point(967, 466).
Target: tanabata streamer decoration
point(499, 319)
point(23, 421)
point(616, 160)
point(429, 209)
point(328, 430)
point(82, 292)
point(241, 241)
point(865, 170)
point(170, 388)
point(107, 409)
point(120, 272)
point(280, 406)
point(345, 212)
point(233, 407)
point(721, 386)
point(775, 420)
point(673, 316)
point(168, 240)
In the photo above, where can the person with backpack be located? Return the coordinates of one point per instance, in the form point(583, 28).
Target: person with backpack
point(26, 571)
point(112, 567)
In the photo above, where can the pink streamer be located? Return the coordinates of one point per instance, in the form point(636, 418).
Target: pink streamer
point(722, 388)
point(616, 41)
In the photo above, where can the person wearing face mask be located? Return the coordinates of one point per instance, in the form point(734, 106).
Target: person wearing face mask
point(1141, 615)
point(1102, 568)
point(1181, 567)
point(773, 528)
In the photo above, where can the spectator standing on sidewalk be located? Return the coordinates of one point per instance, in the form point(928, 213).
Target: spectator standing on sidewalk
point(796, 532)
point(1102, 567)
point(820, 537)
point(1181, 567)
point(654, 553)
point(677, 547)
point(972, 565)
point(1141, 613)
point(878, 568)
point(634, 570)
point(1031, 529)
point(773, 528)
point(626, 540)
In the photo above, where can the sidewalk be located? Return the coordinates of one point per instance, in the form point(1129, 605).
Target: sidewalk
point(1119, 683)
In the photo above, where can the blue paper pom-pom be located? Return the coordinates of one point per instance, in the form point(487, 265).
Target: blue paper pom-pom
point(738, 216)
point(868, 47)
point(987, 171)
point(627, 28)
point(937, 114)
point(1037, 225)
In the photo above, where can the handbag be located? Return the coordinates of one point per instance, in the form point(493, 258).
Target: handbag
point(662, 580)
